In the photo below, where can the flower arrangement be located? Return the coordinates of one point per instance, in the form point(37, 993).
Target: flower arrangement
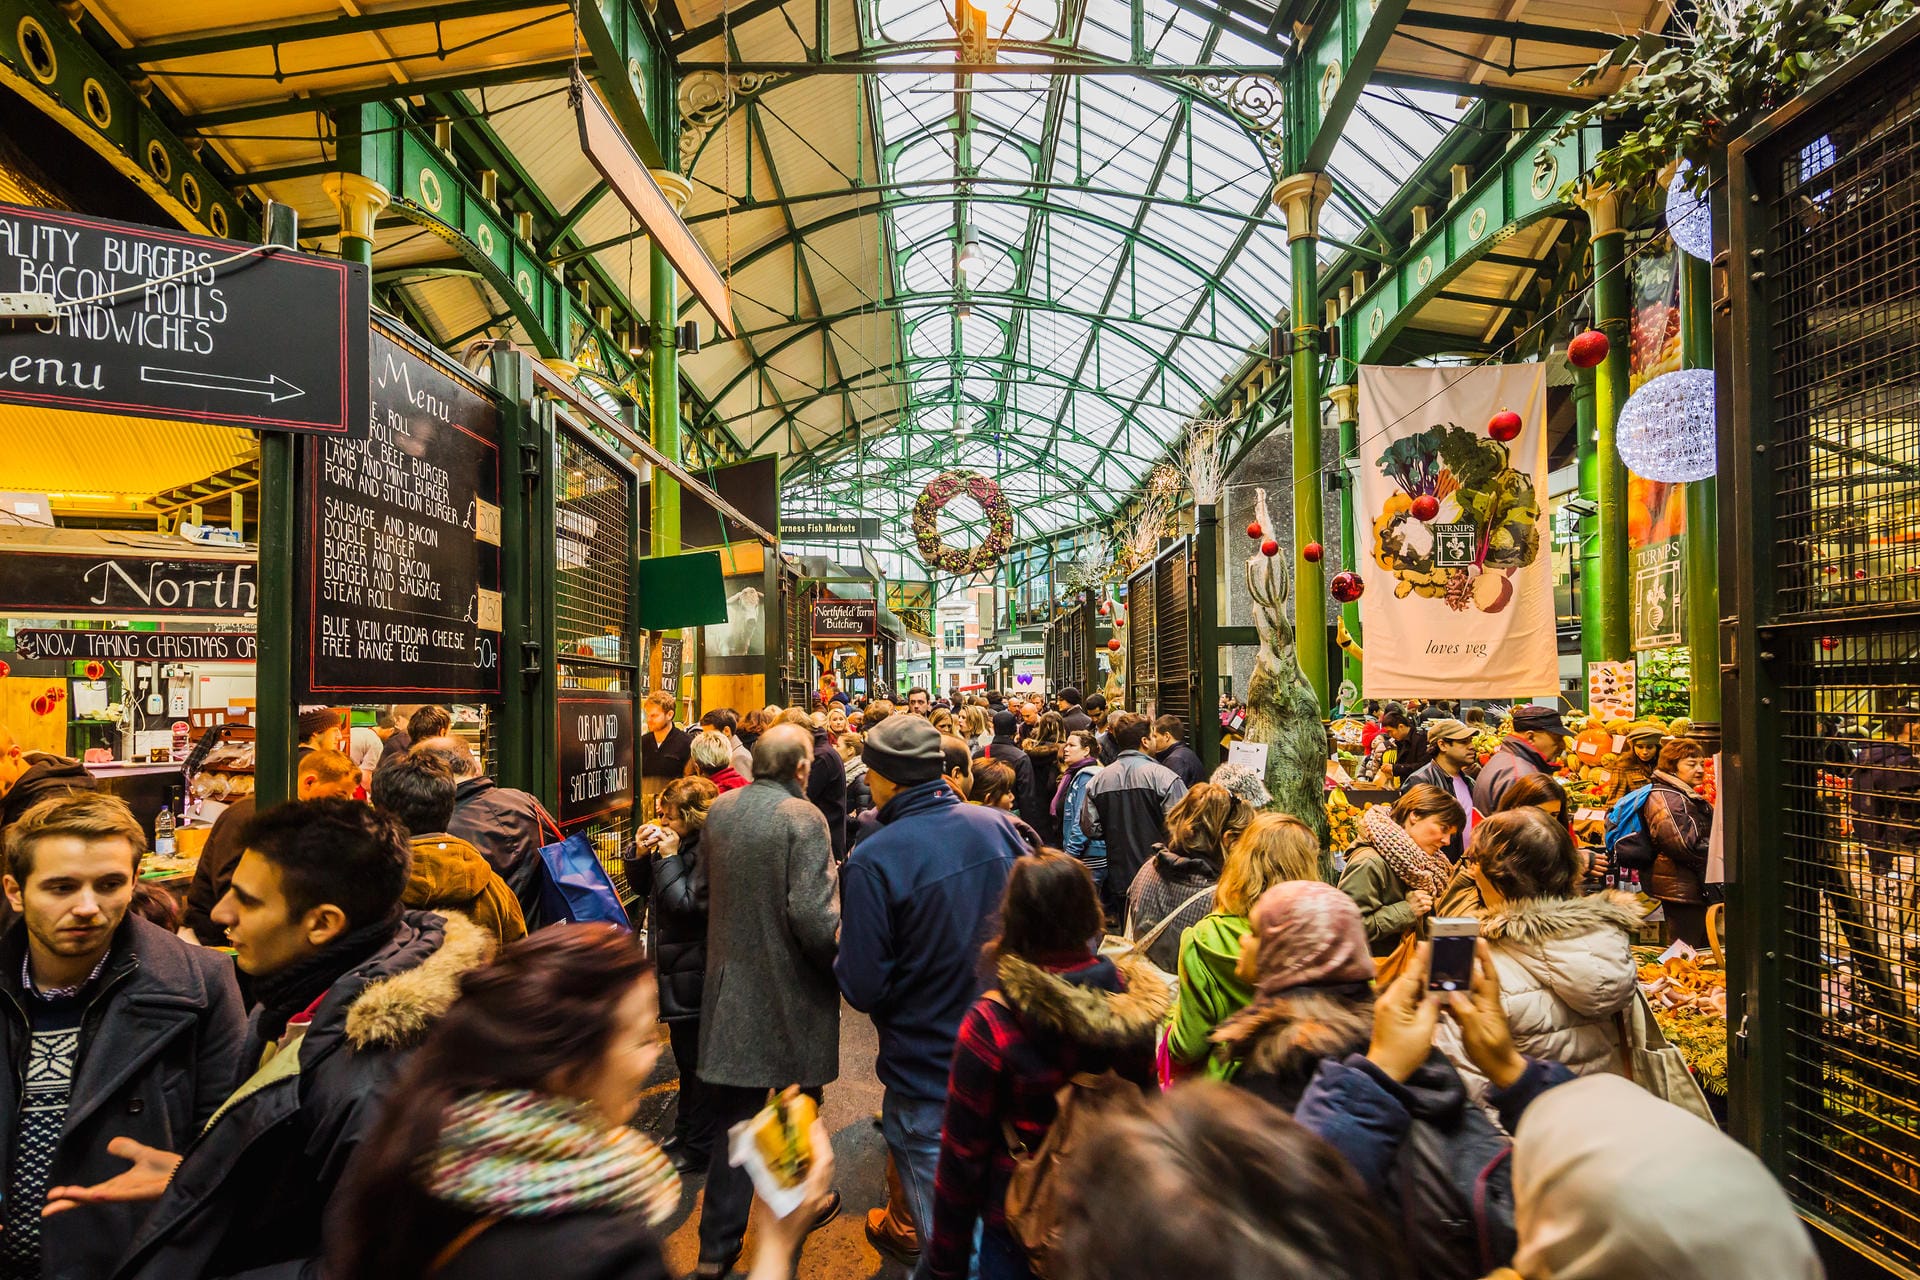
point(941, 490)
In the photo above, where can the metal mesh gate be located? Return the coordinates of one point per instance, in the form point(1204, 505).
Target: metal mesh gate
point(1826, 204)
point(595, 531)
point(1070, 645)
point(1142, 671)
point(1160, 635)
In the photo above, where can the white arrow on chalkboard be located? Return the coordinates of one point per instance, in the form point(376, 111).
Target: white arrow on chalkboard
point(275, 388)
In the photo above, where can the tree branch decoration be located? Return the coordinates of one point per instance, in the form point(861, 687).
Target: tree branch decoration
point(1203, 460)
point(1088, 570)
point(1281, 708)
point(1730, 63)
point(1158, 499)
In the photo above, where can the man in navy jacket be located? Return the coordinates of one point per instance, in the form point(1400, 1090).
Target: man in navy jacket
point(918, 899)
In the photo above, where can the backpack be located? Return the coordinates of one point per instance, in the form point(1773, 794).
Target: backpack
point(1033, 1193)
point(1629, 843)
point(1455, 1192)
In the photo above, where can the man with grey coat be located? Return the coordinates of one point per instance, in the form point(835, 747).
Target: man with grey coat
point(770, 1012)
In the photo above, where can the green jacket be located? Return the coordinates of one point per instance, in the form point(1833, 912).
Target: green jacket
point(1210, 993)
point(1382, 899)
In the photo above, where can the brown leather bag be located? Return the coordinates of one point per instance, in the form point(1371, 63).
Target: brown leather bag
point(1033, 1193)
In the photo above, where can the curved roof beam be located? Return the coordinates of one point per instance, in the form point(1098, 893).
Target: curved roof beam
point(839, 216)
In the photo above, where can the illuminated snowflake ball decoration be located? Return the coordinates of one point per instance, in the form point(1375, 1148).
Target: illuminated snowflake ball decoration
point(1689, 221)
point(1667, 429)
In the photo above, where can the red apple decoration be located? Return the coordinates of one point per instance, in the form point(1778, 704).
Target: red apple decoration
point(1254, 530)
point(1105, 608)
point(1504, 425)
point(1312, 552)
point(1269, 548)
point(1113, 646)
point(1347, 587)
point(1119, 622)
point(1426, 507)
point(1587, 350)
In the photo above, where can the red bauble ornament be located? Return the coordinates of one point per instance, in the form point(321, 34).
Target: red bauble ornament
point(1254, 530)
point(1859, 574)
point(1269, 548)
point(1426, 507)
point(41, 705)
point(1347, 587)
point(4, 669)
point(1504, 425)
point(1118, 623)
point(1588, 349)
point(1105, 608)
point(95, 670)
point(1113, 646)
point(1311, 553)
point(1828, 643)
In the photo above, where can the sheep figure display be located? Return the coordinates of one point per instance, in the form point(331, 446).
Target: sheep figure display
point(1282, 710)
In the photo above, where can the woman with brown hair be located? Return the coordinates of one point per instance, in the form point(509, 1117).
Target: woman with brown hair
point(1275, 848)
point(510, 1153)
point(1058, 1010)
point(1679, 823)
point(678, 909)
point(1179, 880)
point(1399, 868)
point(1043, 748)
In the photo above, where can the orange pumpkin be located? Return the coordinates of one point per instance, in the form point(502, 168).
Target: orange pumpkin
point(1593, 745)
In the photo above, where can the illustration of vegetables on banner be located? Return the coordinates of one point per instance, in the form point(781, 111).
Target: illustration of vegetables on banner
point(1462, 521)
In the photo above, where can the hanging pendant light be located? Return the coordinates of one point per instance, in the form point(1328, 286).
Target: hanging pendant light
point(1667, 429)
point(969, 262)
point(1689, 220)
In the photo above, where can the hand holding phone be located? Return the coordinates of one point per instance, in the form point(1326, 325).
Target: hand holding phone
point(1452, 966)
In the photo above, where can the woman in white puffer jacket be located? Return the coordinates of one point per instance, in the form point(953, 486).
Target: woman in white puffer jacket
point(1565, 961)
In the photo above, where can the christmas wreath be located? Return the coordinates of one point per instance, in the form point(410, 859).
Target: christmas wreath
point(941, 490)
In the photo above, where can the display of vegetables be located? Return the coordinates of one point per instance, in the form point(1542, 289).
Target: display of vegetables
point(1689, 1001)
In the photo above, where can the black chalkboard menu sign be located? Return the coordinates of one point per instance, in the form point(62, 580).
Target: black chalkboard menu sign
point(162, 324)
point(596, 742)
point(401, 564)
point(845, 619)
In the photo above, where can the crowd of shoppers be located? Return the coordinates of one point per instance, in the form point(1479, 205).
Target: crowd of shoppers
point(429, 1083)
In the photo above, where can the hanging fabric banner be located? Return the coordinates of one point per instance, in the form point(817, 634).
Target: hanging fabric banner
point(1656, 509)
point(1459, 580)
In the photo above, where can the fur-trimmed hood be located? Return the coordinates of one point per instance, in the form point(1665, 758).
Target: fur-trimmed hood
point(1288, 1034)
point(1532, 921)
point(1093, 1016)
point(396, 1011)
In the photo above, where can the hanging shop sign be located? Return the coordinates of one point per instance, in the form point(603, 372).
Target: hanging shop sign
point(124, 584)
point(670, 666)
point(845, 619)
point(400, 577)
point(853, 529)
point(1656, 509)
point(1442, 468)
point(162, 324)
point(65, 645)
point(596, 756)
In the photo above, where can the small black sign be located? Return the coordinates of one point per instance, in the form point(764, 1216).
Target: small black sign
point(596, 756)
point(1455, 546)
point(401, 570)
point(852, 529)
point(845, 619)
point(163, 324)
point(125, 584)
point(138, 646)
point(670, 666)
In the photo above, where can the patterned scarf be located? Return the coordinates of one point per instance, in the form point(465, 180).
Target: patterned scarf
point(520, 1154)
point(1416, 868)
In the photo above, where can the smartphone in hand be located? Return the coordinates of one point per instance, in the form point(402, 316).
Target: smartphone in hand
point(1450, 962)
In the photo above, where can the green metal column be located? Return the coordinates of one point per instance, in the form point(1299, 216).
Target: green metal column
point(1300, 196)
point(278, 495)
point(519, 757)
point(1589, 526)
point(1346, 401)
point(1610, 393)
point(663, 311)
point(1703, 510)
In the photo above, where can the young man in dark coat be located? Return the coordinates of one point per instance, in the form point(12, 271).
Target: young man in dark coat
point(919, 898)
point(346, 983)
point(1168, 745)
point(1126, 806)
point(114, 1029)
point(1004, 748)
point(1073, 717)
point(769, 1011)
point(1538, 738)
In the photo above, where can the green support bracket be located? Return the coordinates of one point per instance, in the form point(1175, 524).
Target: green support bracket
point(47, 62)
point(519, 752)
point(636, 75)
point(1326, 82)
point(1524, 189)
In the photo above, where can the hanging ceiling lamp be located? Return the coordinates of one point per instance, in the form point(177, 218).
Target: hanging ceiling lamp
point(969, 261)
point(1667, 430)
point(1689, 220)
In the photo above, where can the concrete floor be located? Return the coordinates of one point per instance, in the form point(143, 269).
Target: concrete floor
point(838, 1251)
